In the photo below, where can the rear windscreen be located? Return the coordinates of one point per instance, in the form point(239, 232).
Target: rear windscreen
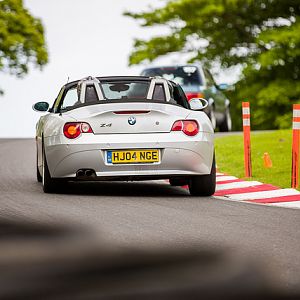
point(125, 90)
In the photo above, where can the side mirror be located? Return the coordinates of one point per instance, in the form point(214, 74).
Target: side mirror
point(198, 103)
point(223, 86)
point(41, 106)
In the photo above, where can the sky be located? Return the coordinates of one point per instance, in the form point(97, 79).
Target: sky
point(84, 37)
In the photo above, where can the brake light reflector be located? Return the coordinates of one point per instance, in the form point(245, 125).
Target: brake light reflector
point(74, 129)
point(188, 127)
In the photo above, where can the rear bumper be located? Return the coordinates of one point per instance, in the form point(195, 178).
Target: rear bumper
point(180, 155)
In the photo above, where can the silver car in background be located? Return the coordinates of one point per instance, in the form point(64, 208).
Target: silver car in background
point(197, 82)
point(125, 128)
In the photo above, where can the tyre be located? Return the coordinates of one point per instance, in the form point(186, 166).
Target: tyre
point(226, 125)
point(50, 185)
point(204, 185)
point(38, 174)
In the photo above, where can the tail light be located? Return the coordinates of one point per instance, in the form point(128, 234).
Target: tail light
point(188, 127)
point(74, 129)
point(194, 95)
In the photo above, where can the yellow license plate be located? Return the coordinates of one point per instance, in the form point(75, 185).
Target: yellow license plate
point(133, 156)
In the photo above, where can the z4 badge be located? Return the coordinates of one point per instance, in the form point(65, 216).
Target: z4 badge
point(106, 125)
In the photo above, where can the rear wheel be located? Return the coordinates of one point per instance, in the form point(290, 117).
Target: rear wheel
point(227, 123)
point(50, 185)
point(38, 174)
point(204, 185)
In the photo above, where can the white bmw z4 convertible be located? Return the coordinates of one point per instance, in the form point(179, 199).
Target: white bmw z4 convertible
point(125, 128)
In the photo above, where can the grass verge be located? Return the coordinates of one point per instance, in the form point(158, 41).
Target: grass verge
point(230, 156)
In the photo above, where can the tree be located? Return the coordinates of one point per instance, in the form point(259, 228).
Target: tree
point(262, 36)
point(21, 39)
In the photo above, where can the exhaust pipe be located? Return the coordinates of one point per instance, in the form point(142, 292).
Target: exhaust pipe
point(80, 173)
point(84, 173)
point(89, 173)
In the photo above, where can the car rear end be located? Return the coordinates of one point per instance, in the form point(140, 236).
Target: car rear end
point(131, 141)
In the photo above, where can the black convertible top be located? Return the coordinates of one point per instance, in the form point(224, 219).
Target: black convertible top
point(178, 95)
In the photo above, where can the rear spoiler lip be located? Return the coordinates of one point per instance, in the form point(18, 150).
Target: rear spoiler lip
point(107, 102)
point(131, 112)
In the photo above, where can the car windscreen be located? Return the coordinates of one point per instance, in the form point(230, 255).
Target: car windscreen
point(183, 75)
point(125, 90)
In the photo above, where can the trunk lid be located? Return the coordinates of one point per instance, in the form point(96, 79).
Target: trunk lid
point(124, 118)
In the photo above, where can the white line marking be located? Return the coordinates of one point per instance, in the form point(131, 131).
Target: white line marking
point(225, 178)
point(236, 185)
point(263, 194)
point(293, 204)
point(219, 174)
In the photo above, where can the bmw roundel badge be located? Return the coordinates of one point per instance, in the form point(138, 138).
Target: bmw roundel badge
point(131, 120)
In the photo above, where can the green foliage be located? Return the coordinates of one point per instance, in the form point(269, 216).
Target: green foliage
point(262, 36)
point(157, 46)
point(21, 39)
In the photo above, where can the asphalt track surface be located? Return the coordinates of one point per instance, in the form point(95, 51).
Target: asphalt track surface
point(147, 215)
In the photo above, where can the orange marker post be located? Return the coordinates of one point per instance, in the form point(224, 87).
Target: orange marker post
point(295, 146)
point(247, 141)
